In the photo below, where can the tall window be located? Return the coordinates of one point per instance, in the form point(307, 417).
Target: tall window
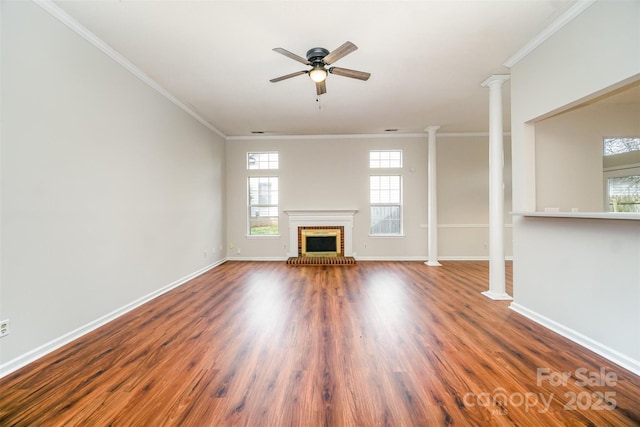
point(385, 193)
point(263, 195)
point(386, 208)
point(622, 181)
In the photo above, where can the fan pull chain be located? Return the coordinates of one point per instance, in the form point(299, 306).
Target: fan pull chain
point(318, 100)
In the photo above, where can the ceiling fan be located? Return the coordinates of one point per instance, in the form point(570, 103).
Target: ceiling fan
point(318, 58)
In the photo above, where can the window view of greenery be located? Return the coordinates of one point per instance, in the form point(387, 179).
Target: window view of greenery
point(263, 205)
point(613, 146)
point(624, 194)
point(385, 199)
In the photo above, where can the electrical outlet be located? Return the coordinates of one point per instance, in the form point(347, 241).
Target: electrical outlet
point(4, 328)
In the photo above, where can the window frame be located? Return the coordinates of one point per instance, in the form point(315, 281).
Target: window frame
point(266, 168)
point(268, 161)
point(379, 160)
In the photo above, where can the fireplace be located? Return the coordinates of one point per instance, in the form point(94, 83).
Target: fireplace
point(321, 241)
point(321, 221)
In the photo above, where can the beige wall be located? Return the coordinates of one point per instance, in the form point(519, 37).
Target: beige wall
point(569, 159)
point(575, 65)
point(342, 162)
point(109, 192)
point(578, 276)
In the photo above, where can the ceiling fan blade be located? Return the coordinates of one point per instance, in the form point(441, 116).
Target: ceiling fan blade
point(288, 76)
point(291, 55)
point(354, 74)
point(321, 87)
point(340, 52)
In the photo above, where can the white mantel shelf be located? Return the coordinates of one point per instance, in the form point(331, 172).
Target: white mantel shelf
point(321, 217)
point(582, 215)
point(321, 212)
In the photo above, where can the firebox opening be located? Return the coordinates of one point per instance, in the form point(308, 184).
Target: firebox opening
point(321, 244)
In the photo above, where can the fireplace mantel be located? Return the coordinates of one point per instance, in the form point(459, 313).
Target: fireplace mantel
point(320, 212)
point(320, 217)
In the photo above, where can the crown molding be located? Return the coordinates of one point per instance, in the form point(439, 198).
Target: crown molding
point(66, 19)
point(358, 136)
point(575, 10)
point(325, 136)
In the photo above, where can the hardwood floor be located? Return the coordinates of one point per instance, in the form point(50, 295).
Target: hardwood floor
point(379, 343)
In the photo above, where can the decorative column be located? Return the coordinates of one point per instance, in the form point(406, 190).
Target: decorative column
point(432, 199)
point(496, 190)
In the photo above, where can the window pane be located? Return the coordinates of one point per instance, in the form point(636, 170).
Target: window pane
point(624, 194)
point(385, 159)
point(385, 198)
point(267, 160)
point(384, 189)
point(614, 146)
point(263, 226)
point(263, 211)
point(263, 205)
point(385, 220)
point(263, 190)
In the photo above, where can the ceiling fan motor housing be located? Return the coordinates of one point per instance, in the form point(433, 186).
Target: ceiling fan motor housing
point(316, 54)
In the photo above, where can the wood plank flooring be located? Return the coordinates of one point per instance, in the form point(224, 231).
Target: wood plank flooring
point(378, 343)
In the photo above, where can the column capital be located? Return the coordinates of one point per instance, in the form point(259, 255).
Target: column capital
point(496, 78)
point(431, 128)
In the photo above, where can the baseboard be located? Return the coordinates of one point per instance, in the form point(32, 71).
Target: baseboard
point(391, 258)
point(378, 258)
point(470, 258)
point(614, 356)
point(425, 258)
point(37, 353)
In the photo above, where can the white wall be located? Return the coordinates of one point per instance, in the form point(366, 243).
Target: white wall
point(463, 196)
point(110, 192)
point(333, 173)
point(577, 276)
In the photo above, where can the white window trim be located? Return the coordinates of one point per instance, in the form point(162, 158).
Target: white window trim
point(386, 168)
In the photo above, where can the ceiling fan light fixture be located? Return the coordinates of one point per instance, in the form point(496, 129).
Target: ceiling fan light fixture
point(318, 74)
point(319, 58)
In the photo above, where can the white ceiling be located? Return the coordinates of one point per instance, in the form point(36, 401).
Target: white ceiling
point(427, 59)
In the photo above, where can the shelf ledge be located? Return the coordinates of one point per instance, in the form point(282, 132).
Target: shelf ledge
point(582, 215)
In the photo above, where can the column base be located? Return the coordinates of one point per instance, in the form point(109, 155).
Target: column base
point(497, 296)
point(433, 264)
